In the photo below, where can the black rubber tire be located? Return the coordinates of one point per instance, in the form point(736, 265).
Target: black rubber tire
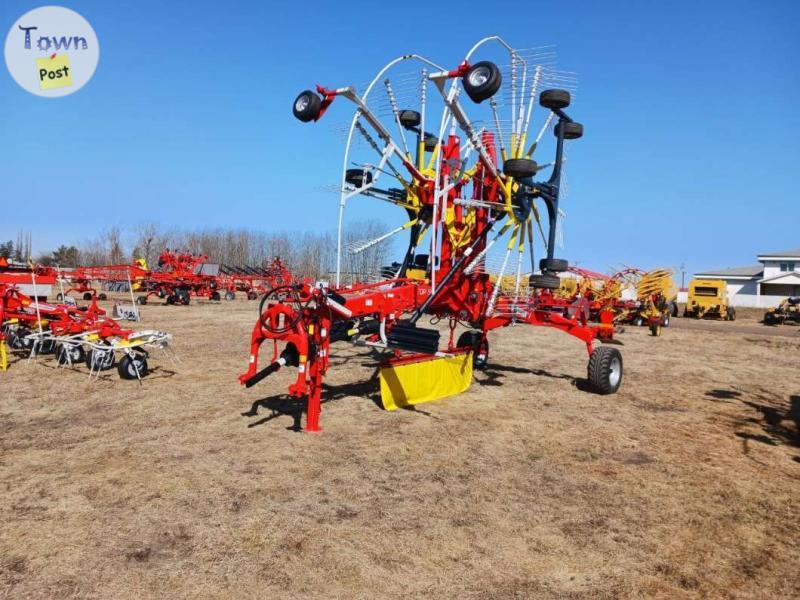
point(141, 300)
point(70, 355)
point(553, 265)
point(482, 81)
point(87, 296)
point(102, 297)
point(59, 296)
point(306, 106)
point(674, 311)
point(554, 99)
point(655, 329)
point(518, 168)
point(605, 370)
point(731, 316)
point(215, 296)
point(172, 299)
point(46, 346)
point(129, 365)
point(16, 339)
point(769, 319)
point(572, 131)
point(100, 360)
point(479, 345)
point(665, 320)
point(545, 282)
point(230, 296)
point(358, 177)
point(637, 321)
point(409, 119)
point(252, 295)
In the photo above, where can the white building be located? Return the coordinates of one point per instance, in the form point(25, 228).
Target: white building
point(763, 285)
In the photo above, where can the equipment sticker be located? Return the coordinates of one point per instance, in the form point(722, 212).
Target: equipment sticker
point(51, 51)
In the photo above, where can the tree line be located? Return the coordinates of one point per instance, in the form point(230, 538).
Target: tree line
point(306, 254)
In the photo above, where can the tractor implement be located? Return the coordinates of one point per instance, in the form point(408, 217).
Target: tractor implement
point(469, 194)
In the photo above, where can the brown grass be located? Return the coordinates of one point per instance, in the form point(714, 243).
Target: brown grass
point(685, 484)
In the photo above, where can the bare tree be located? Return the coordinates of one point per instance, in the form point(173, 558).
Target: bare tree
point(147, 237)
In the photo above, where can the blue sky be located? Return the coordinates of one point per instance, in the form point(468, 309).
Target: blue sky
point(689, 107)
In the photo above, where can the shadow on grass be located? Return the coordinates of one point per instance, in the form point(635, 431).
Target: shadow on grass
point(282, 405)
point(493, 373)
point(80, 369)
point(779, 424)
point(723, 394)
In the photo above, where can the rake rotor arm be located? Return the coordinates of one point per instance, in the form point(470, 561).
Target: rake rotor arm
point(350, 94)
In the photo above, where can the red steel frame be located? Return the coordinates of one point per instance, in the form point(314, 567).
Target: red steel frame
point(304, 324)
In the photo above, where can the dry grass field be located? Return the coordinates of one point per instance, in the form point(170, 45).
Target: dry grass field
point(686, 484)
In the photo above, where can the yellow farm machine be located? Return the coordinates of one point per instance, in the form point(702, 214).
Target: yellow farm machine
point(787, 310)
point(708, 299)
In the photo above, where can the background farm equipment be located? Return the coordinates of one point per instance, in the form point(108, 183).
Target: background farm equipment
point(655, 302)
point(74, 334)
point(254, 281)
point(178, 277)
point(708, 298)
point(471, 186)
point(787, 310)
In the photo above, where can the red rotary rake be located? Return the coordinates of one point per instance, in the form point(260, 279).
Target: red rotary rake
point(470, 185)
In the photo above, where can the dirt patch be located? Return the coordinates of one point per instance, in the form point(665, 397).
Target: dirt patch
point(684, 484)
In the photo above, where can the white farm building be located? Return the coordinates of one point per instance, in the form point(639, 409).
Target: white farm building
point(763, 285)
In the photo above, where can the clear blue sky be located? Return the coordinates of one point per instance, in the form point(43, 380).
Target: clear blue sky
point(690, 111)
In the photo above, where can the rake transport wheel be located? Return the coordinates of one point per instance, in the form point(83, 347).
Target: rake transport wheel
point(230, 296)
point(215, 296)
point(482, 81)
point(655, 329)
point(87, 296)
point(98, 359)
point(307, 106)
point(479, 345)
point(141, 300)
point(70, 355)
point(605, 369)
point(131, 364)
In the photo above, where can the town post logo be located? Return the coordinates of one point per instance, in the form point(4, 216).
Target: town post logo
point(51, 51)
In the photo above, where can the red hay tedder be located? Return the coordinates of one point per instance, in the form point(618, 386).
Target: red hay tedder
point(470, 184)
point(178, 278)
point(75, 335)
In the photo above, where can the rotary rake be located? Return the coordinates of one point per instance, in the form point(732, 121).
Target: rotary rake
point(652, 297)
point(472, 187)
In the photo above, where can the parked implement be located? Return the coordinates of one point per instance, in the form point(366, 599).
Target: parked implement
point(708, 298)
point(787, 310)
point(469, 184)
point(74, 334)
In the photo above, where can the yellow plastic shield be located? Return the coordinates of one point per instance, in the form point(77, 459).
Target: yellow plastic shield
point(408, 383)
